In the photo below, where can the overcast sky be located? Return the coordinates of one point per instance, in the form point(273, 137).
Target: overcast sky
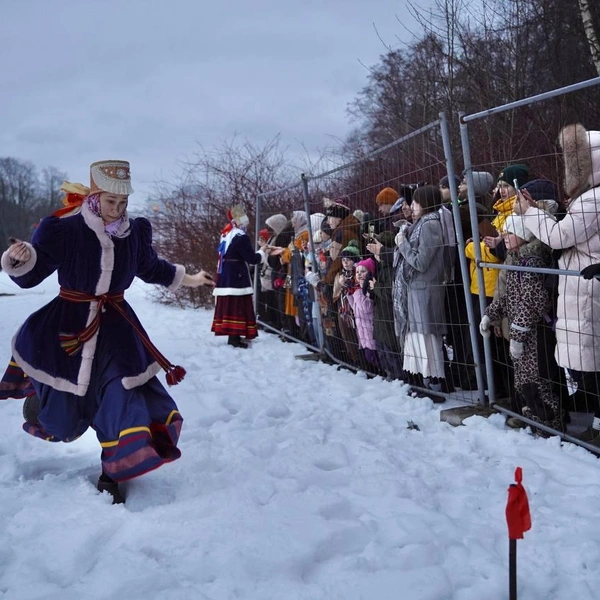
point(149, 80)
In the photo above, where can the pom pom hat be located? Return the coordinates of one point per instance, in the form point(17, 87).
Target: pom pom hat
point(112, 176)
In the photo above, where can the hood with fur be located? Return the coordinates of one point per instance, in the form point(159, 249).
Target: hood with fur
point(581, 153)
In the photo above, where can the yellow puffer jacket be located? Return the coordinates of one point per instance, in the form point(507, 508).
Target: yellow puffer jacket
point(503, 208)
point(490, 276)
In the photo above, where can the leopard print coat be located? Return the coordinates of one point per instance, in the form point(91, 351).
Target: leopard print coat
point(526, 303)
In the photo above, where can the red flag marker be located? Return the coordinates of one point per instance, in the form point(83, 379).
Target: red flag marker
point(518, 519)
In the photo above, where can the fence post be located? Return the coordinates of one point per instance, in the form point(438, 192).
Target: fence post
point(464, 267)
point(487, 343)
point(315, 264)
point(257, 268)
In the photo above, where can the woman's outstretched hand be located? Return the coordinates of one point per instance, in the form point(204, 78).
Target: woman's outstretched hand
point(198, 279)
point(18, 251)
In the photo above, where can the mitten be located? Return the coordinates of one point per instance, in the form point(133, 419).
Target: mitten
point(484, 326)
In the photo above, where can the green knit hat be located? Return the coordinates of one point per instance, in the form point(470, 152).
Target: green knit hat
point(352, 250)
point(519, 171)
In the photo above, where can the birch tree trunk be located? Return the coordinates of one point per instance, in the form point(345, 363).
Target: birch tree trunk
point(590, 32)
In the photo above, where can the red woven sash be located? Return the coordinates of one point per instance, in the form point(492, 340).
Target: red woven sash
point(72, 343)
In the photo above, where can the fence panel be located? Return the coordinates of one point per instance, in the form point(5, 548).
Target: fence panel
point(341, 280)
point(543, 357)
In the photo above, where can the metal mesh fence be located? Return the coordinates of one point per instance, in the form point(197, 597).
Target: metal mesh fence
point(396, 266)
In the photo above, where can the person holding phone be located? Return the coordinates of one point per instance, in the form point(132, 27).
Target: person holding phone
point(89, 360)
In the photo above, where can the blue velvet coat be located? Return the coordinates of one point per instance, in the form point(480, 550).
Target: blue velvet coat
point(90, 261)
point(233, 275)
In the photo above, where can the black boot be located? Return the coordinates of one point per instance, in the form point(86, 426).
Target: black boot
point(31, 408)
point(106, 484)
point(237, 342)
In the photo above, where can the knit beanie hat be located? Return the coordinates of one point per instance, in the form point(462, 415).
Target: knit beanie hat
point(519, 171)
point(337, 208)
point(515, 224)
point(482, 182)
point(445, 181)
point(387, 195)
point(276, 223)
point(369, 264)
point(263, 234)
point(541, 189)
point(352, 250)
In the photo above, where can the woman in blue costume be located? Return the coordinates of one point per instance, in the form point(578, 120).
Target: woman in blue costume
point(85, 353)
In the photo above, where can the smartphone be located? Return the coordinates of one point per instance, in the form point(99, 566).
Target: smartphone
point(516, 186)
point(371, 232)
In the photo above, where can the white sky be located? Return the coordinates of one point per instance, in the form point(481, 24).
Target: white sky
point(297, 482)
point(149, 80)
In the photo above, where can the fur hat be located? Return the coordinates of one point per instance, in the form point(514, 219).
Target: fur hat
point(515, 224)
point(352, 250)
point(337, 208)
point(113, 176)
point(387, 195)
point(482, 182)
point(519, 171)
point(445, 181)
point(276, 223)
point(429, 197)
point(369, 264)
point(581, 153)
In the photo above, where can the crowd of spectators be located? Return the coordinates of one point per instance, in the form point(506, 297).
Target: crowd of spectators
point(386, 294)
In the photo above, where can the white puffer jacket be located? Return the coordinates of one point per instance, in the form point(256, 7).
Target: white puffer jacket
point(578, 311)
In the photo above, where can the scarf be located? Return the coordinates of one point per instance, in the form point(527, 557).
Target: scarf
point(227, 235)
point(111, 229)
point(407, 273)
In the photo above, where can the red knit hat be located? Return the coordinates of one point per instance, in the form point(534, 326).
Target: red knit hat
point(387, 195)
point(264, 234)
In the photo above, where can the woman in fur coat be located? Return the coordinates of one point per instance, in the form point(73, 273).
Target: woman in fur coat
point(89, 361)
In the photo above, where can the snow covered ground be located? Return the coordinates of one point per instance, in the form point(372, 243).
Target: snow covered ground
point(297, 481)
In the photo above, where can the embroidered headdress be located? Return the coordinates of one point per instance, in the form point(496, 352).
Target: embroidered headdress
point(112, 176)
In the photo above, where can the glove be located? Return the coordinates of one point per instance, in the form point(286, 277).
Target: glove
point(484, 326)
point(312, 278)
point(591, 271)
point(516, 349)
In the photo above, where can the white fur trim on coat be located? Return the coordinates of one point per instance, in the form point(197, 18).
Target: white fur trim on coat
point(179, 275)
point(22, 268)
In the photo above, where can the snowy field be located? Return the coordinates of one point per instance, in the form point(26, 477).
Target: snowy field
point(297, 481)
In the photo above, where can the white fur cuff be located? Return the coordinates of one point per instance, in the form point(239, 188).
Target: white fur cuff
point(21, 268)
point(179, 275)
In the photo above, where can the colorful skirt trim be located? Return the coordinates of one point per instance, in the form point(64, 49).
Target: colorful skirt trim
point(234, 315)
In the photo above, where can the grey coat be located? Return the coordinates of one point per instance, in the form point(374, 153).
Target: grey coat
point(427, 255)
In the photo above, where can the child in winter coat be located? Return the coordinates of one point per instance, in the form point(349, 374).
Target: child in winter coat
point(526, 302)
point(362, 305)
point(343, 288)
